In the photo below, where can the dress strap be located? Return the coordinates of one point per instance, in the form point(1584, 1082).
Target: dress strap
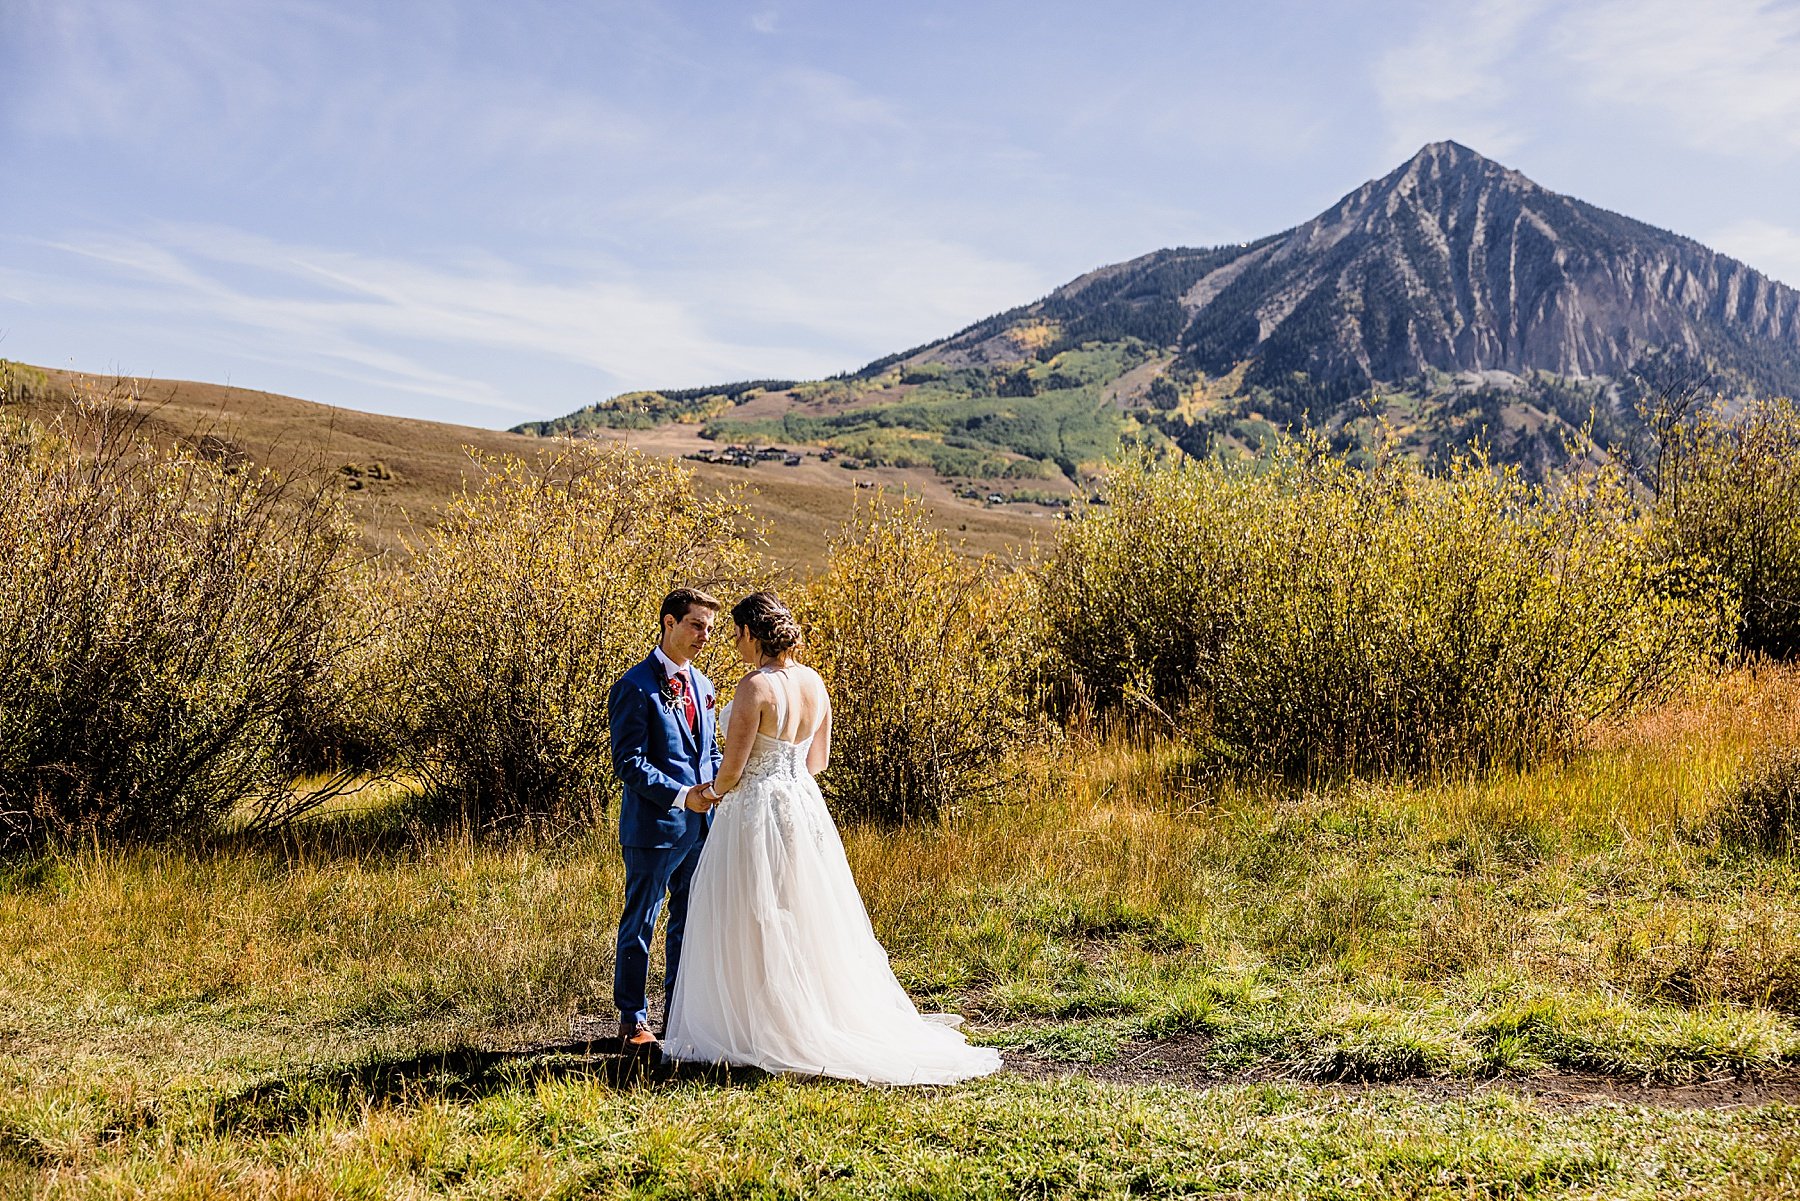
point(780, 702)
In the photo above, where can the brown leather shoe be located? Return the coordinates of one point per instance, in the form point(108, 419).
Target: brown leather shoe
point(636, 1038)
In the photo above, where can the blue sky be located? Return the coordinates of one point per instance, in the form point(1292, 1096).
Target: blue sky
point(490, 212)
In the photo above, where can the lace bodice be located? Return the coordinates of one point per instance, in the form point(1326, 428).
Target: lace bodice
point(776, 759)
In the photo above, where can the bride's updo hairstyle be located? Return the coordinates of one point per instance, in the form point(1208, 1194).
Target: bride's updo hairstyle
point(768, 621)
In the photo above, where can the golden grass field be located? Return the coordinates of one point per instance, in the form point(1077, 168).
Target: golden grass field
point(1179, 970)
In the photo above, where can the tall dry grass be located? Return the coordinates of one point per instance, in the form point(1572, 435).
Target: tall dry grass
point(1546, 917)
point(1374, 927)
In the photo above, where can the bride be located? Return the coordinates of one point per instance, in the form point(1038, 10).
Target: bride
point(780, 969)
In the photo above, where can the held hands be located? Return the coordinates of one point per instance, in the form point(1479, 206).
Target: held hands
point(702, 797)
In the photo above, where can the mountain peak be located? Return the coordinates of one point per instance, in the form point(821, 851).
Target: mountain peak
point(1456, 262)
point(1453, 165)
point(1448, 152)
point(1451, 263)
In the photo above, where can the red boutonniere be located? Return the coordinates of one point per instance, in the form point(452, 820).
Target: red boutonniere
point(709, 701)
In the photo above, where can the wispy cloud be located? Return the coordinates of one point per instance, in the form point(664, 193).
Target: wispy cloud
point(355, 310)
point(1450, 79)
point(390, 324)
point(817, 96)
point(114, 69)
point(1725, 75)
point(218, 84)
point(164, 298)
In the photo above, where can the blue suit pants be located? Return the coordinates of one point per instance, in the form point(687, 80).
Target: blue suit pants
point(650, 874)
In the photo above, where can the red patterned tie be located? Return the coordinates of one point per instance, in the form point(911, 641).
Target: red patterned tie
point(680, 684)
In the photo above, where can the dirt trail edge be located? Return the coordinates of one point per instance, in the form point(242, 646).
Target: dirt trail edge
point(1177, 1062)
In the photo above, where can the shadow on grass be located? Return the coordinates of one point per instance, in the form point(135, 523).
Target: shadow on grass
point(458, 1073)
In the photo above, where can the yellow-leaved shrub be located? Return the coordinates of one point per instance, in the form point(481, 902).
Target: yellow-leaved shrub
point(1728, 491)
point(1305, 615)
point(159, 611)
point(924, 654)
point(539, 589)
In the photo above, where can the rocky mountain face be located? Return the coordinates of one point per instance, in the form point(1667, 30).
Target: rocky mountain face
point(1452, 263)
point(1453, 303)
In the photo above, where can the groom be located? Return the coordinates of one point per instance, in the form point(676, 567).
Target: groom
point(661, 713)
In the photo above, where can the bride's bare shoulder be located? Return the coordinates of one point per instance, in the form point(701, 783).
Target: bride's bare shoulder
point(814, 679)
point(753, 684)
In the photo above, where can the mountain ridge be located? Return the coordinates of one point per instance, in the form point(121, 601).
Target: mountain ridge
point(1449, 208)
point(1413, 298)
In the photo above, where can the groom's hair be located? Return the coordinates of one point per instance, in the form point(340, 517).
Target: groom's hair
point(678, 602)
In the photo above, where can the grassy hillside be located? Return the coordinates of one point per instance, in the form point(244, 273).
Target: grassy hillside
point(1052, 421)
point(397, 472)
point(1046, 420)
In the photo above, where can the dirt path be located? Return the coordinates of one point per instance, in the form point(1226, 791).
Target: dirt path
point(1178, 1062)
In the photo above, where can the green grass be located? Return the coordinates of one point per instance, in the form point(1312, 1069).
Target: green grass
point(316, 1018)
point(558, 1135)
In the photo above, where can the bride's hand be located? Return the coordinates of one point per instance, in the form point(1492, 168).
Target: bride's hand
point(702, 797)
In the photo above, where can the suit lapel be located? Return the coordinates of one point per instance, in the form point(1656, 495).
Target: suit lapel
point(674, 714)
point(652, 669)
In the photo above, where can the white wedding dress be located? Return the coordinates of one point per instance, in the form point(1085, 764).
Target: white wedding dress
point(780, 968)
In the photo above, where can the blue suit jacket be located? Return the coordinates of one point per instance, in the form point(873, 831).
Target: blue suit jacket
point(656, 756)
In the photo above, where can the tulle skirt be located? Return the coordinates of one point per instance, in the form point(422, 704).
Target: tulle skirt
point(780, 968)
